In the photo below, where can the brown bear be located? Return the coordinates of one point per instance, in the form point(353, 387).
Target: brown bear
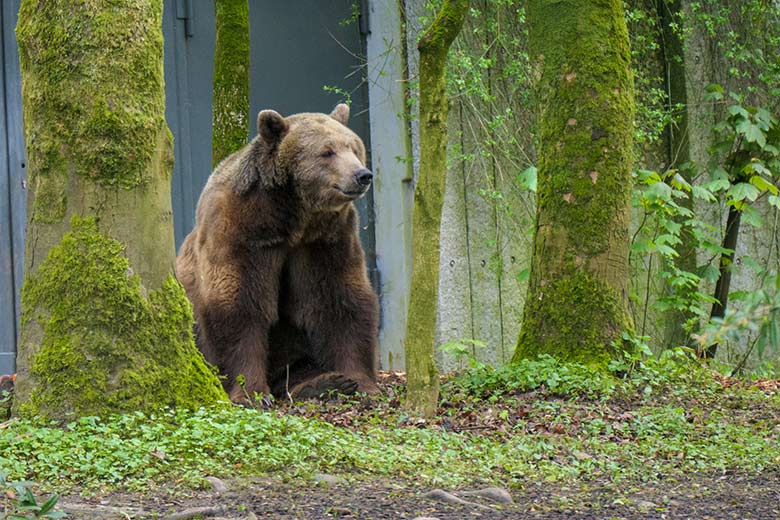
point(274, 267)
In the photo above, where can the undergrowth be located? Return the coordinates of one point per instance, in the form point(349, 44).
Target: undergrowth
point(538, 420)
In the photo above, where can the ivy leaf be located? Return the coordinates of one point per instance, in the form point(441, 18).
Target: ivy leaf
point(774, 200)
point(741, 191)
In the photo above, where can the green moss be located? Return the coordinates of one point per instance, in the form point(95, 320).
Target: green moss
point(573, 321)
point(230, 129)
point(107, 348)
point(93, 89)
point(586, 125)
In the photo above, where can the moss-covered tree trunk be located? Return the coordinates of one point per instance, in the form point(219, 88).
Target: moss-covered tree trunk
point(230, 129)
point(105, 327)
point(577, 300)
point(423, 382)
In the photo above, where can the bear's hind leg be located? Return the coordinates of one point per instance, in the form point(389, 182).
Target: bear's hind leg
point(324, 384)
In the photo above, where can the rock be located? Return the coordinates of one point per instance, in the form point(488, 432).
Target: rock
point(443, 496)
point(217, 484)
point(645, 505)
point(495, 494)
point(196, 512)
point(323, 479)
point(425, 518)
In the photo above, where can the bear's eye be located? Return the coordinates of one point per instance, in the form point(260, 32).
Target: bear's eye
point(328, 153)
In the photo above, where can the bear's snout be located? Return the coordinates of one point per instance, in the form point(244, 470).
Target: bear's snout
point(364, 176)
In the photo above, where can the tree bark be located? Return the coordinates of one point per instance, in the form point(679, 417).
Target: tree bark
point(230, 128)
point(423, 381)
point(678, 143)
point(726, 265)
point(578, 294)
point(105, 327)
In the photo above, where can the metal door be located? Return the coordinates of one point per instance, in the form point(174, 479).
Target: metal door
point(12, 188)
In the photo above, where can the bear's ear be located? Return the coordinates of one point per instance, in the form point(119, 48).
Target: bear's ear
point(271, 126)
point(341, 113)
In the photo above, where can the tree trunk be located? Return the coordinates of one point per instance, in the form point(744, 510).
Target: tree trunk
point(577, 303)
point(723, 285)
point(677, 140)
point(423, 381)
point(105, 327)
point(230, 128)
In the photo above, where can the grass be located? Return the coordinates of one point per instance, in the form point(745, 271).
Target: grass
point(539, 421)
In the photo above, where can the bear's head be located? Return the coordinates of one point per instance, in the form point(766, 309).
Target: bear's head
point(322, 158)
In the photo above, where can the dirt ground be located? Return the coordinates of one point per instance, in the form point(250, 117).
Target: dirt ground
point(697, 497)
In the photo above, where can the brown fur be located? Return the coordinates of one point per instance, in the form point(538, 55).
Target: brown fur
point(274, 267)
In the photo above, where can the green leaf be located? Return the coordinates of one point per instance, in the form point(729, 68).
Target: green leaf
point(750, 263)
point(714, 92)
point(763, 184)
point(710, 273)
point(527, 179)
point(649, 177)
point(774, 200)
point(765, 117)
point(666, 250)
point(751, 217)
point(738, 110)
point(667, 239)
point(642, 246)
point(523, 275)
point(49, 504)
point(702, 193)
point(673, 227)
point(752, 132)
point(679, 182)
point(741, 191)
point(660, 191)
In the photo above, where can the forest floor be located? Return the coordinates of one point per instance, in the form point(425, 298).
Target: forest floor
point(732, 495)
point(686, 445)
